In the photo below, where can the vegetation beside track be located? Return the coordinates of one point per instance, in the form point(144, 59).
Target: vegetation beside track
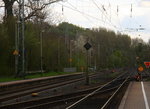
point(110, 49)
point(31, 76)
point(38, 75)
point(113, 75)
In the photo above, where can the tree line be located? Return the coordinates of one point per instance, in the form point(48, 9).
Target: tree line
point(63, 43)
point(63, 47)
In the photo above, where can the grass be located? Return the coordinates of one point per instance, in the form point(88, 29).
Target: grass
point(31, 76)
point(6, 79)
point(46, 74)
point(38, 75)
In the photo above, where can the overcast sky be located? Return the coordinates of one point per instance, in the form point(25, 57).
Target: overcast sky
point(103, 13)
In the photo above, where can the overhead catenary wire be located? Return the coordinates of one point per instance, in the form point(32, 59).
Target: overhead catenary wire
point(117, 13)
point(89, 17)
point(131, 11)
point(85, 14)
point(106, 15)
point(82, 13)
point(131, 15)
point(109, 21)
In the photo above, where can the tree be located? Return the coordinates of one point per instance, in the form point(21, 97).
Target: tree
point(8, 8)
point(29, 5)
point(149, 42)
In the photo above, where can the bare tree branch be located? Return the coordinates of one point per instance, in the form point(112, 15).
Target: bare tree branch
point(2, 6)
point(32, 10)
point(36, 10)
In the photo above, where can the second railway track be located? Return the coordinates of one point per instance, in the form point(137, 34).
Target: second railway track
point(41, 88)
point(64, 100)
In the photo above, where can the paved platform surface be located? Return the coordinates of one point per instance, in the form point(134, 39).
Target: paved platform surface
point(137, 96)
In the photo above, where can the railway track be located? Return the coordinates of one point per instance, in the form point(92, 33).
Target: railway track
point(14, 87)
point(39, 86)
point(115, 99)
point(145, 74)
point(97, 101)
point(54, 100)
point(13, 96)
point(64, 100)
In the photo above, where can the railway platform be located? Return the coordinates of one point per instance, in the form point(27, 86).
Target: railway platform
point(137, 96)
point(27, 81)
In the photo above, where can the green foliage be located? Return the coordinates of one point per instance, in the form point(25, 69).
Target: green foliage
point(31, 76)
point(69, 30)
point(6, 49)
point(116, 59)
point(79, 60)
point(65, 41)
point(10, 78)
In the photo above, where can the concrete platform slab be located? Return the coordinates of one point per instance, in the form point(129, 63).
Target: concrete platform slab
point(133, 98)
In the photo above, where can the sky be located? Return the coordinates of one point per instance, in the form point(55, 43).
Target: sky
point(115, 15)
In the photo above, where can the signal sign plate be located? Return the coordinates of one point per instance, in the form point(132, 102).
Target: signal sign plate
point(70, 59)
point(87, 46)
point(147, 64)
point(15, 52)
point(140, 68)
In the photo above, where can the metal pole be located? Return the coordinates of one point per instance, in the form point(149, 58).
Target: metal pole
point(21, 58)
point(78, 55)
point(23, 48)
point(95, 61)
point(17, 39)
point(16, 48)
point(98, 57)
point(58, 54)
point(87, 72)
point(70, 54)
point(41, 41)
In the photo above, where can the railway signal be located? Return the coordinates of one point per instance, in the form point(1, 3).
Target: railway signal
point(147, 64)
point(15, 52)
point(70, 59)
point(87, 46)
point(140, 69)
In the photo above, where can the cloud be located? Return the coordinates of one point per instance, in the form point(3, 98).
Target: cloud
point(144, 3)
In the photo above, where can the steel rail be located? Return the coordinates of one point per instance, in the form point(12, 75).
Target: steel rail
point(55, 99)
point(94, 92)
point(114, 94)
point(40, 84)
point(40, 89)
point(66, 100)
point(85, 91)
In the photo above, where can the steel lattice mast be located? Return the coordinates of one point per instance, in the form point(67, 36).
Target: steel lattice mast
point(21, 57)
point(20, 38)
